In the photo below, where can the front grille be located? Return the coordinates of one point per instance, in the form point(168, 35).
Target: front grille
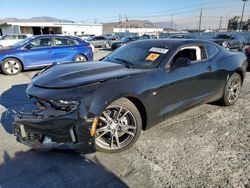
point(29, 137)
point(33, 137)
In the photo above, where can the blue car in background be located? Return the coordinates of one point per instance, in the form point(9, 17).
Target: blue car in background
point(39, 51)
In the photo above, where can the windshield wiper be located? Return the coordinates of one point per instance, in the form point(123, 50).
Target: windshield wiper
point(125, 62)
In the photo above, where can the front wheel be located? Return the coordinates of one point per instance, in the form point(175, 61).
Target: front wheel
point(241, 47)
point(232, 90)
point(119, 127)
point(80, 58)
point(11, 66)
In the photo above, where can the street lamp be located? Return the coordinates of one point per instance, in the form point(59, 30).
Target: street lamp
point(242, 13)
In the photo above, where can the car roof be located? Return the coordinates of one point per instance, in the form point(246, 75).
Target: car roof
point(66, 36)
point(172, 42)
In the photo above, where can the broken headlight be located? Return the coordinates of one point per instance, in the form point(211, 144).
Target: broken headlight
point(65, 105)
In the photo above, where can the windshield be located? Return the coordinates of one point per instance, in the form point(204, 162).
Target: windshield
point(22, 42)
point(138, 55)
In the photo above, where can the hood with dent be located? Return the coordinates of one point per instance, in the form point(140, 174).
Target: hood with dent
point(76, 74)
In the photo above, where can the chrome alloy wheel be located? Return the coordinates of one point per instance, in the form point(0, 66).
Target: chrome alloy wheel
point(12, 67)
point(116, 128)
point(234, 89)
point(80, 58)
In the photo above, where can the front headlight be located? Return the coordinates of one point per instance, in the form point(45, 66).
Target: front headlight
point(65, 105)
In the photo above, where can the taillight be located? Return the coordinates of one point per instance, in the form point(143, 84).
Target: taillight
point(248, 50)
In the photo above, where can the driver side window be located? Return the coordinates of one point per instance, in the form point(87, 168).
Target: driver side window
point(39, 43)
point(193, 53)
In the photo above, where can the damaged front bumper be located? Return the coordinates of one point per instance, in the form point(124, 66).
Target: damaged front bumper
point(51, 128)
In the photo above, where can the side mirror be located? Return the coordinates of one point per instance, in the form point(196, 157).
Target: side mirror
point(182, 62)
point(28, 46)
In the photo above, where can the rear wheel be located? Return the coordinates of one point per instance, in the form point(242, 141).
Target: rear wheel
point(119, 127)
point(241, 47)
point(232, 90)
point(11, 66)
point(227, 46)
point(80, 58)
point(107, 45)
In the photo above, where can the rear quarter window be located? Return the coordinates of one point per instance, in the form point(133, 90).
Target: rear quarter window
point(211, 50)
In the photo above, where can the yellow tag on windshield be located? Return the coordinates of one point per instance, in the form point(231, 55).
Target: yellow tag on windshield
point(152, 57)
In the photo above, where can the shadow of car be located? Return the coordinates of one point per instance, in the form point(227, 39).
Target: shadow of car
point(55, 169)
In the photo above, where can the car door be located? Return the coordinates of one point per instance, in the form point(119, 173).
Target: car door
point(65, 49)
point(39, 52)
point(191, 84)
point(97, 41)
point(101, 41)
point(234, 42)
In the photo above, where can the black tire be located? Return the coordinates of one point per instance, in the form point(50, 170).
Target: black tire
point(132, 116)
point(80, 58)
point(11, 66)
point(234, 79)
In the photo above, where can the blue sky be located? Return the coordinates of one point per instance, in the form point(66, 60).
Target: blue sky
point(184, 11)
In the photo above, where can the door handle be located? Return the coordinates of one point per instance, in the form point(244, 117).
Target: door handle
point(50, 51)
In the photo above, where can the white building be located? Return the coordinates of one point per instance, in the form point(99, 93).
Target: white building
point(139, 31)
point(38, 28)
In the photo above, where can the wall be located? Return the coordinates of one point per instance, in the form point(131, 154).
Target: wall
point(9, 29)
point(81, 29)
point(140, 31)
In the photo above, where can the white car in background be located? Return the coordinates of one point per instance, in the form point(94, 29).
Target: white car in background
point(9, 40)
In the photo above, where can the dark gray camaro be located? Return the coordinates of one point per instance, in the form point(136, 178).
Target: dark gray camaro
point(106, 104)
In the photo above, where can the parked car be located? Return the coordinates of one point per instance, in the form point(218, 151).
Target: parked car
point(111, 37)
point(91, 45)
point(181, 36)
point(85, 36)
point(247, 51)
point(124, 41)
point(100, 41)
point(8, 40)
point(229, 41)
point(39, 51)
point(107, 103)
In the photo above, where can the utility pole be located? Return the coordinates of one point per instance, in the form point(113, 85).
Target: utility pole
point(120, 23)
point(226, 24)
point(171, 21)
point(200, 21)
point(220, 23)
point(242, 14)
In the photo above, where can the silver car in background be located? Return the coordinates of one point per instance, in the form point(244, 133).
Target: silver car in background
point(100, 41)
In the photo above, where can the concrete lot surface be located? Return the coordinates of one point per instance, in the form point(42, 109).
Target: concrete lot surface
point(207, 146)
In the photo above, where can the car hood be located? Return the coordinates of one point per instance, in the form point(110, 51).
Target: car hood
point(69, 75)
